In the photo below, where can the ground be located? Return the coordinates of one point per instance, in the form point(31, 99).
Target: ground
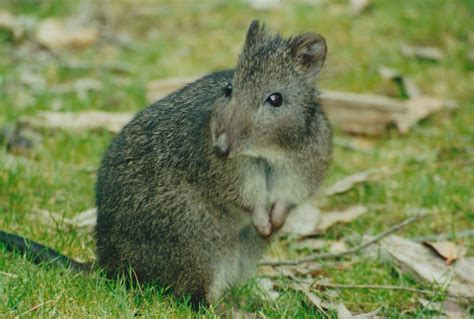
point(187, 38)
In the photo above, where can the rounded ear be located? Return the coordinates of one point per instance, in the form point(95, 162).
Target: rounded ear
point(308, 52)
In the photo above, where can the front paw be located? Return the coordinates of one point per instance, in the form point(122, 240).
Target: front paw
point(262, 223)
point(278, 214)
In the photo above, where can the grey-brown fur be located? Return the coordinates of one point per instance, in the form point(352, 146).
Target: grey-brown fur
point(184, 216)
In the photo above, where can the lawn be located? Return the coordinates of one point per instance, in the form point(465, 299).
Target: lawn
point(141, 41)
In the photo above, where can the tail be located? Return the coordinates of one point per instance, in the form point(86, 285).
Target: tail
point(39, 253)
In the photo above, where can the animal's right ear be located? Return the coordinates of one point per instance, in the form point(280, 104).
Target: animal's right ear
point(309, 52)
point(254, 33)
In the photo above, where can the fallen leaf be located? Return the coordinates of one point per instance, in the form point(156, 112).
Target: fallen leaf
point(350, 181)
point(431, 305)
point(345, 215)
point(267, 286)
point(343, 312)
point(314, 299)
point(453, 310)
point(448, 250)
point(365, 114)
point(419, 259)
point(307, 219)
point(464, 268)
point(423, 53)
point(86, 219)
point(303, 220)
point(368, 315)
point(418, 108)
point(55, 34)
point(10, 23)
point(359, 6)
point(338, 246)
point(86, 120)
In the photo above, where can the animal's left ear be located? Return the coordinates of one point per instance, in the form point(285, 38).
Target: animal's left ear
point(309, 52)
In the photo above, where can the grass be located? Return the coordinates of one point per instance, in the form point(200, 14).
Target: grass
point(188, 38)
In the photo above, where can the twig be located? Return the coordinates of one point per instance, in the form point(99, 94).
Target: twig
point(346, 252)
point(356, 286)
point(39, 306)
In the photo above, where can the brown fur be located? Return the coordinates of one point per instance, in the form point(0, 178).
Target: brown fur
point(179, 214)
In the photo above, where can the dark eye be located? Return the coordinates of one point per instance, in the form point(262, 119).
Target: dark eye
point(228, 89)
point(274, 99)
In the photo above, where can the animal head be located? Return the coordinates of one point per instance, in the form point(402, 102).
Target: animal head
point(270, 102)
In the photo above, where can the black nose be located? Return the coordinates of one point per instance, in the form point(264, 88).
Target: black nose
point(221, 146)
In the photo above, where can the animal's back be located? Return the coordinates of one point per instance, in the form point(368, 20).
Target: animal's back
point(149, 183)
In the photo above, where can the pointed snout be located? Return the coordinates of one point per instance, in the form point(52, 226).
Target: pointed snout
point(222, 145)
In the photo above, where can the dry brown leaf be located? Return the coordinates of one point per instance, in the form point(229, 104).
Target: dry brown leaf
point(10, 23)
point(368, 315)
point(307, 219)
point(338, 247)
point(431, 305)
point(370, 114)
point(464, 268)
point(350, 181)
point(451, 309)
point(267, 286)
point(454, 311)
point(55, 34)
point(345, 215)
point(314, 299)
point(343, 312)
point(419, 259)
point(86, 120)
point(365, 114)
point(303, 220)
point(448, 250)
point(424, 53)
point(86, 219)
point(418, 108)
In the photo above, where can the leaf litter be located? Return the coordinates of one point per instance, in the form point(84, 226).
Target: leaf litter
point(308, 220)
point(429, 266)
point(448, 250)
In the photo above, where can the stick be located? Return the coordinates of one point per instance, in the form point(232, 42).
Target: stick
point(347, 252)
point(39, 306)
